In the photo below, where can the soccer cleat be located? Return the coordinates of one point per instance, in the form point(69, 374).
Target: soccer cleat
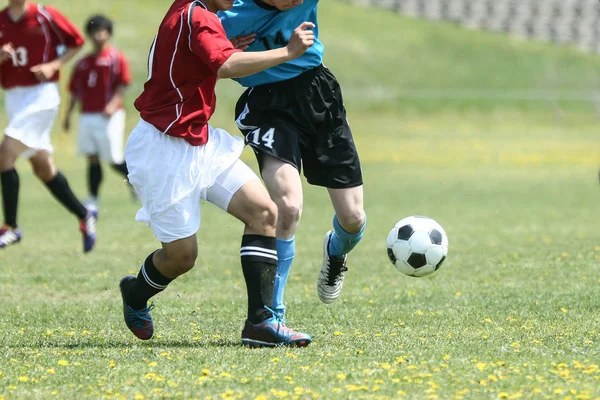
point(88, 230)
point(331, 277)
point(273, 333)
point(9, 236)
point(139, 322)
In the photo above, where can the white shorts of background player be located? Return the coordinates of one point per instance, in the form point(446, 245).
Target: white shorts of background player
point(102, 135)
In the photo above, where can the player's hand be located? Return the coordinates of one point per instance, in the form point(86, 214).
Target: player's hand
point(6, 52)
point(44, 72)
point(243, 41)
point(110, 110)
point(302, 38)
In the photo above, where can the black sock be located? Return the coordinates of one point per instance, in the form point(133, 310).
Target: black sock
point(121, 168)
point(259, 263)
point(62, 192)
point(148, 283)
point(10, 196)
point(94, 179)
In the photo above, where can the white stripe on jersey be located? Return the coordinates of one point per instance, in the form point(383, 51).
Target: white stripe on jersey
point(47, 15)
point(46, 36)
point(189, 19)
point(178, 110)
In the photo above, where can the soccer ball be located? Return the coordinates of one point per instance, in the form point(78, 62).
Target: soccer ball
point(417, 246)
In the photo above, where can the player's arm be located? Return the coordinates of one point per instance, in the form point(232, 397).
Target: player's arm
point(73, 89)
point(70, 108)
point(71, 38)
point(123, 80)
point(244, 64)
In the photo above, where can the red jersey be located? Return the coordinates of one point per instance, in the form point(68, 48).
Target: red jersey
point(179, 96)
point(96, 78)
point(37, 37)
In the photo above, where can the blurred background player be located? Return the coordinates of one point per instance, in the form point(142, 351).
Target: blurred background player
point(293, 115)
point(35, 42)
point(175, 159)
point(98, 82)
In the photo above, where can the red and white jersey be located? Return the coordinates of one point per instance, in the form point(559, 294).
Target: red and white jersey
point(179, 96)
point(36, 38)
point(96, 78)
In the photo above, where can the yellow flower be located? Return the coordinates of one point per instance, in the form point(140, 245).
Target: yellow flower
point(205, 372)
point(152, 364)
point(261, 397)
point(341, 377)
point(458, 294)
point(503, 395)
point(63, 363)
point(244, 380)
point(446, 357)
point(139, 397)
point(336, 390)
point(563, 309)
point(338, 333)
point(112, 364)
point(51, 371)
point(23, 379)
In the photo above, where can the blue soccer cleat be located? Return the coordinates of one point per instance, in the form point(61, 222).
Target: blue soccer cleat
point(9, 236)
point(273, 333)
point(139, 322)
point(88, 230)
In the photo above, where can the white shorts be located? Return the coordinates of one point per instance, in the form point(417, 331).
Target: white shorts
point(31, 113)
point(102, 136)
point(171, 177)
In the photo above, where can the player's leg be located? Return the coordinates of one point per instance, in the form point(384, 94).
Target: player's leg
point(10, 149)
point(330, 159)
point(94, 180)
point(158, 270)
point(239, 191)
point(285, 188)
point(161, 167)
point(45, 169)
point(110, 141)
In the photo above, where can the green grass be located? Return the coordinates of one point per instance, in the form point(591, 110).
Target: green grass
point(513, 312)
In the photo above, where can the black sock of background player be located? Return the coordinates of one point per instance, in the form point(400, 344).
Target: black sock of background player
point(259, 263)
point(94, 179)
point(121, 168)
point(10, 196)
point(62, 192)
point(148, 283)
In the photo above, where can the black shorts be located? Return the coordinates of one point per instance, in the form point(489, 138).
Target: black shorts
point(302, 121)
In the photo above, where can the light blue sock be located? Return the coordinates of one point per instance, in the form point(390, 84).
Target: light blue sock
point(286, 250)
point(342, 242)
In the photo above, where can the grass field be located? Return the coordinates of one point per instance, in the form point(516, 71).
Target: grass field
point(513, 313)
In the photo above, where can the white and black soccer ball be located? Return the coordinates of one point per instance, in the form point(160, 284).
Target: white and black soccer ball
point(417, 246)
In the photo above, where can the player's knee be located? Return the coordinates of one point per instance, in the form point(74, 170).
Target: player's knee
point(263, 218)
point(7, 159)
point(44, 172)
point(289, 212)
point(353, 220)
point(181, 262)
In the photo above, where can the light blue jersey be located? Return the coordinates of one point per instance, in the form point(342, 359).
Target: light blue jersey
point(273, 29)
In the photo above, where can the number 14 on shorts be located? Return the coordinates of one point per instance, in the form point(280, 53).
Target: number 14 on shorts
point(266, 139)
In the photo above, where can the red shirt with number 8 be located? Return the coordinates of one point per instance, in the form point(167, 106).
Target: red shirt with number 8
point(37, 37)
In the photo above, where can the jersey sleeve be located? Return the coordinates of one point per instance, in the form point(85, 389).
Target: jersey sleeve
point(67, 32)
point(208, 39)
point(124, 77)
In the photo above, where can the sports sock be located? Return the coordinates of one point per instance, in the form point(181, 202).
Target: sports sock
point(286, 250)
point(94, 179)
point(259, 263)
point(62, 192)
point(149, 283)
point(342, 242)
point(121, 168)
point(10, 196)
